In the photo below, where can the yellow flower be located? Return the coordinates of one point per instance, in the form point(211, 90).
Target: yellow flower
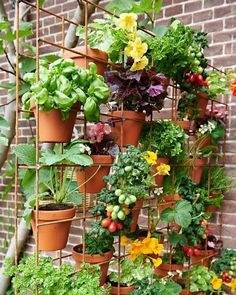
point(124, 241)
point(127, 21)
point(157, 262)
point(216, 283)
point(232, 285)
point(136, 49)
point(163, 169)
point(151, 158)
point(139, 64)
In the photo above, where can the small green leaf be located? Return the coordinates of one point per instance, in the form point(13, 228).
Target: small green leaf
point(7, 86)
point(3, 140)
point(167, 215)
point(4, 25)
point(4, 125)
point(82, 160)
point(25, 29)
point(28, 64)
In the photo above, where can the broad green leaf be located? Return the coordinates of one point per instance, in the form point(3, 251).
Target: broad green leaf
point(7, 86)
point(4, 25)
point(167, 215)
point(183, 206)
point(82, 160)
point(4, 125)
point(25, 29)
point(3, 140)
point(51, 58)
point(119, 6)
point(27, 64)
point(75, 198)
point(160, 31)
point(50, 158)
point(29, 47)
point(26, 154)
point(183, 219)
point(175, 238)
point(8, 36)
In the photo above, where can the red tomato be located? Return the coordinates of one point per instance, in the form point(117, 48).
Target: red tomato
point(207, 232)
point(106, 222)
point(190, 252)
point(119, 226)
point(192, 79)
point(196, 251)
point(200, 80)
point(112, 227)
point(204, 222)
point(185, 248)
point(227, 279)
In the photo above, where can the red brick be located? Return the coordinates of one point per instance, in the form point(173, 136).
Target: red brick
point(214, 50)
point(213, 3)
point(222, 37)
point(214, 26)
point(173, 10)
point(192, 6)
point(224, 11)
point(230, 22)
point(202, 16)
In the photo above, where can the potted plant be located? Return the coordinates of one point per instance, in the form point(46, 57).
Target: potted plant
point(155, 285)
point(58, 186)
point(103, 150)
point(62, 88)
point(47, 278)
point(134, 95)
point(167, 139)
point(98, 249)
point(128, 187)
point(208, 283)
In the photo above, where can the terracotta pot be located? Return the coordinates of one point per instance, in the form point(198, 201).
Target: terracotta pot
point(196, 170)
point(164, 268)
point(100, 168)
point(202, 104)
point(135, 214)
point(204, 257)
point(184, 124)
point(123, 290)
point(204, 142)
point(54, 236)
point(102, 260)
point(82, 62)
point(169, 201)
point(132, 126)
point(52, 128)
point(211, 208)
point(187, 292)
point(159, 178)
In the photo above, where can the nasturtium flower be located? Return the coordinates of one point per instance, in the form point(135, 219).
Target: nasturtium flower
point(151, 158)
point(216, 283)
point(232, 285)
point(157, 262)
point(127, 21)
point(124, 241)
point(139, 64)
point(163, 169)
point(136, 49)
point(233, 87)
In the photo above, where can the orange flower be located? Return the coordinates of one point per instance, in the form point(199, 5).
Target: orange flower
point(233, 87)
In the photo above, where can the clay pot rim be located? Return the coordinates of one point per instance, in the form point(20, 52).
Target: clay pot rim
point(55, 214)
point(102, 159)
point(75, 107)
point(171, 267)
point(106, 257)
point(128, 115)
point(97, 53)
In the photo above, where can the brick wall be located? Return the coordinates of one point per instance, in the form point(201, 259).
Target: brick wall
point(217, 17)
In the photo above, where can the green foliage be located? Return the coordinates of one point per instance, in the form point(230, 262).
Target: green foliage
point(165, 137)
point(180, 213)
point(200, 278)
point(98, 240)
point(219, 83)
point(156, 286)
point(225, 262)
point(132, 272)
point(62, 84)
point(171, 54)
point(51, 280)
point(4, 126)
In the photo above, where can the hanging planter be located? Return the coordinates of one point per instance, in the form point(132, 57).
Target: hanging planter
point(184, 124)
point(163, 269)
point(187, 292)
point(130, 129)
point(102, 260)
point(204, 257)
point(122, 290)
point(90, 179)
point(202, 104)
point(169, 201)
point(52, 128)
point(135, 214)
point(95, 55)
point(159, 178)
point(197, 169)
point(54, 236)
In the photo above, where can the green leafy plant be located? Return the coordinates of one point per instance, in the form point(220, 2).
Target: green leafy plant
point(165, 137)
point(62, 84)
point(200, 278)
point(4, 126)
point(213, 130)
point(158, 286)
point(98, 240)
point(132, 272)
point(224, 265)
point(27, 276)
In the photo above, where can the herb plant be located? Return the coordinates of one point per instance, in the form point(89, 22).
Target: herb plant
point(214, 130)
point(28, 276)
point(62, 84)
point(165, 137)
point(144, 90)
point(225, 263)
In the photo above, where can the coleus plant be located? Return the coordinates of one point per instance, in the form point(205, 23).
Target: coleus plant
point(143, 90)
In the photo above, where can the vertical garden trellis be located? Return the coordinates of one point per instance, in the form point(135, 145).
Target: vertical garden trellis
point(85, 217)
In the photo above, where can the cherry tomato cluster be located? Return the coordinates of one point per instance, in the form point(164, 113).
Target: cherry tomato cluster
point(204, 223)
point(196, 80)
point(190, 251)
point(226, 277)
point(111, 225)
